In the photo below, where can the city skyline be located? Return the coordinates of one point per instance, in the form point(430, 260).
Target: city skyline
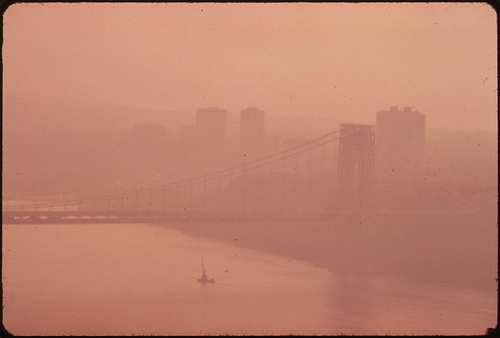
point(339, 61)
point(334, 166)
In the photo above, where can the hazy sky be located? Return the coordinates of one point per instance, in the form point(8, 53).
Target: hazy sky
point(340, 61)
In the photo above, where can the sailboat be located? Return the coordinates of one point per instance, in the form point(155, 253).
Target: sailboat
point(204, 279)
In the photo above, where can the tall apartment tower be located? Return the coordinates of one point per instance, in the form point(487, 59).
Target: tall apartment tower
point(252, 134)
point(400, 141)
point(211, 125)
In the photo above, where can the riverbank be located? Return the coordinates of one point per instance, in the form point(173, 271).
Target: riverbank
point(456, 251)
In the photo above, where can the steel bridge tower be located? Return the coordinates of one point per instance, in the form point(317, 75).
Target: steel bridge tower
point(356, 166)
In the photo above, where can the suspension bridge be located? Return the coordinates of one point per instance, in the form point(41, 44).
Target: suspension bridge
point(318, 179)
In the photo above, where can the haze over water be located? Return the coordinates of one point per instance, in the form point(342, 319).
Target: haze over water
point(124, 279)
point(335, 165)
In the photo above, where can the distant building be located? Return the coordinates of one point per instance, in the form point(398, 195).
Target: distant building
point(211, 125)
point(400, 141)
point(149, 130)
point(187, 135)
point(252, 133)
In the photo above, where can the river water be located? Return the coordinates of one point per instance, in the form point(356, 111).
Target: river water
point(140, 279)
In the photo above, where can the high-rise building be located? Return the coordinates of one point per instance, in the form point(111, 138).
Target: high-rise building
point(211, 125)
point(252, 134)
point(400, 141)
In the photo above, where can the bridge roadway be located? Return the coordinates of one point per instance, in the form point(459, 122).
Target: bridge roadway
point(145, 216)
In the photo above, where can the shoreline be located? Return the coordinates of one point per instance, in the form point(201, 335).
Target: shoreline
point(432, 249)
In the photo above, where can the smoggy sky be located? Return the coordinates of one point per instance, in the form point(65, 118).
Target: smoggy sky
point(329, 60)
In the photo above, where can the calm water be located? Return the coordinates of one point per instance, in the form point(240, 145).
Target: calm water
point(124, 279)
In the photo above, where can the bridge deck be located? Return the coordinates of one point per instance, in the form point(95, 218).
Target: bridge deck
point(40, 217)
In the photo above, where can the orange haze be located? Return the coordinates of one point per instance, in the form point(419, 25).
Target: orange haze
point(330, 60)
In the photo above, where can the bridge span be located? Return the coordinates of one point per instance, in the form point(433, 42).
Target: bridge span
point(68, 217)
point(285, 186)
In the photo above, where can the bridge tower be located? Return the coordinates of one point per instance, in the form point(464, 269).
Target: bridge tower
point(356, 166)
